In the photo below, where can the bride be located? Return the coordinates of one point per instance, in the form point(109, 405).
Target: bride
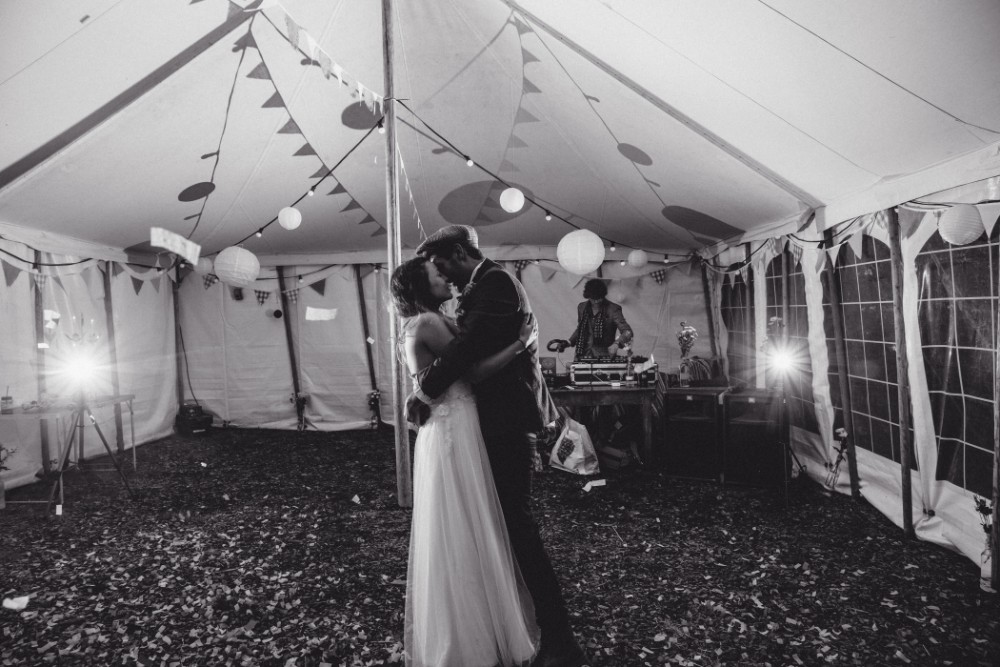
point(466, 604)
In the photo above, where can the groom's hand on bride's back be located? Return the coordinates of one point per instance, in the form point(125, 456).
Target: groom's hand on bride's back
point(417, 412)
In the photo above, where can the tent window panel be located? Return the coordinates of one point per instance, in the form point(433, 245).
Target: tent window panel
point(974, 323)
point(871, 321)
point(979, 423)
point(935, 327)
point(967, 271)
point(875, 363)
point(848, 285)
point(882, 441)
point(738, 318)
point(934, 270)
point(868, 287)
point(979, 471)
point(852, 321)
point(976, 368)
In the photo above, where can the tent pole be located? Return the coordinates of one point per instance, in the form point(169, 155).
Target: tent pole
point(404, 488)
point(178, 339)
point(109, 316)
point(708, 308)
point(43, 424)
point(364, 326)
point(833, 282)
point(994, 536)
point(902, 368)
point(299, 405)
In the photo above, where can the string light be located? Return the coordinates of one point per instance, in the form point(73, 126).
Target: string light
point(381, 126)
point(622, 262)
point(312, 191)
point(468, 161)
point(548, 216)
point(260, 232)
point(300, 278)
point(612, 246)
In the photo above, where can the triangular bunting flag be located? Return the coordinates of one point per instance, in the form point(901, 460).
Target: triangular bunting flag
point(659, 276)
point(293, 295)
point(261, 296)
point(520, 264)
point(796, 252)
point(522, 27)
point(291, 127)
point(990, 226)
point(274, 102)
point(528, 57)
point(833, 252)
point(523, 116)
point(528, 87)
point(306, 150)
point(58, 281)
point(244, 42)
point(856, 241)
point(210, 280)
point(321, 172)
point(547, 273)
point(319, 286)
point(821, 258)
point(368, 218)
point(353, 204)
point(116, 268)
point(136, 284)
point(325, 64)
point(232, 9)
point(339, 190)
point(293, 31)
point(156, 282)
point(516, 142)
point(259, 72)
point(338, 72)
point(40, 279)
point(378, 232)
point(10, 273)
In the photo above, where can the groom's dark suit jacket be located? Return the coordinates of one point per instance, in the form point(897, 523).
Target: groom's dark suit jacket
point(490, 314)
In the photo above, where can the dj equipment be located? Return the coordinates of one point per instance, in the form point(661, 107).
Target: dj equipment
point(191, 419)
point(591, 371)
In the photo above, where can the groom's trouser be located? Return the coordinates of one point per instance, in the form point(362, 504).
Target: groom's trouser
point(511, 460)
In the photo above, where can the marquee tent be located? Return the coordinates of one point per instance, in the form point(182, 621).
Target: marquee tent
point(728, 140)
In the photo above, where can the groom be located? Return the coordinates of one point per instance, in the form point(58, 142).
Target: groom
point(513, 405)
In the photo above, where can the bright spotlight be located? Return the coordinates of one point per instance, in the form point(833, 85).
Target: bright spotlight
point(782, 361)
point(80, 369)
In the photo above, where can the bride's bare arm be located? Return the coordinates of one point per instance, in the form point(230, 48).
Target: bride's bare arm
point(492, 364)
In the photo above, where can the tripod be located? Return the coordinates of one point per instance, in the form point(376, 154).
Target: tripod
point(784, 440)
point(80, 412)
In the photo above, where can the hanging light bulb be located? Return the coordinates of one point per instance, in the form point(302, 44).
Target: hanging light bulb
point(381, 126)
point(300, 278)
point(260, 232)
point(469, 162)
point(612, 246)
point(548, 216)
point(312, 191)
point(623, 262)
point(512, 200)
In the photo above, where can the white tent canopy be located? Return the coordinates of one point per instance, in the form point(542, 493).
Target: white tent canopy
point(719, 127)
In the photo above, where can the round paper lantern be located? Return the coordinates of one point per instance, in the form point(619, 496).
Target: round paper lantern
point(203, 267)
point(638, 258)
point(512, 200)
point(580, 252)
point(289, 217)
point(236, 266)
point(960, 224)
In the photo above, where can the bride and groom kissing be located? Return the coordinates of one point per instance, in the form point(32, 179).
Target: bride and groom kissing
point(481, 590)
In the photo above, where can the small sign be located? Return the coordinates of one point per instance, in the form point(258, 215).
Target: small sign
point(320, 314)
point(162, 238)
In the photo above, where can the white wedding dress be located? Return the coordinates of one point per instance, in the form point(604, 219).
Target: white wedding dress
point(466, 604)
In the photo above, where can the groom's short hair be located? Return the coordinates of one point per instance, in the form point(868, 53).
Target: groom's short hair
point(443, 242)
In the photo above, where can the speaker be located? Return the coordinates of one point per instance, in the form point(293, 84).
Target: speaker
point(753, 451)
point(692, 425)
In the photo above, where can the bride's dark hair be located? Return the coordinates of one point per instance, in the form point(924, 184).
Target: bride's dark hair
point(411, 290)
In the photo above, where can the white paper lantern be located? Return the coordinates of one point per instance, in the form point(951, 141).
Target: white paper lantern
point(580, 252)
point(203, 267)
point(512, 200)
point(961, 224)
point(236, 266)
point(289, 217)
point(638, 258)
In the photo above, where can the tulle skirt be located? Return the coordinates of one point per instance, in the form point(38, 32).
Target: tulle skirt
point(466, 604)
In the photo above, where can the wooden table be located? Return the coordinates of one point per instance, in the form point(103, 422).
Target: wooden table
point(582, 396)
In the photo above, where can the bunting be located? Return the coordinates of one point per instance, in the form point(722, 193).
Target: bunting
point(659, 276)
point(10, 273)
point(520, 264)
point(292, 295)
point(319, 287)
point(210, 280)
point(857, 243)
point(262, 296)
point(136, 284)
point(40, 279)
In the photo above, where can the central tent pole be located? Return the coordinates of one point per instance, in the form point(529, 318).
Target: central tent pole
point(404, 488)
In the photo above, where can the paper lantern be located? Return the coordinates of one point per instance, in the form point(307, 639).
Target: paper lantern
point(203, 267)
point(580, 252)
point(236, 266)
point(289, 217)
point(638, 258)
point(961, 224)
point(512, 200)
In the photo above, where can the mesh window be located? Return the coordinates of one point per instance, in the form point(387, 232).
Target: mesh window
point(801, 406)
point(957, 315)
point(737, 314)
point(865, 285)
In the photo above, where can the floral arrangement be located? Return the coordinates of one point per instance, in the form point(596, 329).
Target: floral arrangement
point(985, 510)
point(5, 454)
point(685, 338)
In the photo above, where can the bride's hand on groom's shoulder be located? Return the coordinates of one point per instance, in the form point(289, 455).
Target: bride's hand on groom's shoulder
point(417, 412)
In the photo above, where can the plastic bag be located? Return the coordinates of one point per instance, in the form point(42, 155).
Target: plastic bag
point(574, 450)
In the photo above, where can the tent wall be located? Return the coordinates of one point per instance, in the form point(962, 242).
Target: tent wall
point(74, 289)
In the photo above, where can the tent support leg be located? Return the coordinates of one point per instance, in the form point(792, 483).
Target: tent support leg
point(995, 529)
point(708, 308)
point(902, 369)
point(833, 283)
point(43, 424)
point(109, 316)
point(300, 407)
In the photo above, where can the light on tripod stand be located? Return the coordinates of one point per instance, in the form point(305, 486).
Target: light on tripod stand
point(782, 361)
point(80, 369)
